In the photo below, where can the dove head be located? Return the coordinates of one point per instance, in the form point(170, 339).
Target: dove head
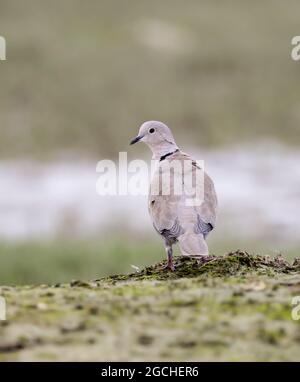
point(158, 137)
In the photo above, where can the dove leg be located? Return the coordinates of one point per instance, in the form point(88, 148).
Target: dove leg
point(169, 252)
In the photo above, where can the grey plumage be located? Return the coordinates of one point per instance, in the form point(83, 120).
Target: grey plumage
point(173, 218)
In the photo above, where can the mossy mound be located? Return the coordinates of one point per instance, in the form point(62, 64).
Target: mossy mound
point(233, 263)
point(237, 307)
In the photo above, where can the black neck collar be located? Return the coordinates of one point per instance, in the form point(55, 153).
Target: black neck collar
point(167, 155)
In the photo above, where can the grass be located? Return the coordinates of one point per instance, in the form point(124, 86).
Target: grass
point(235, 308)
point(81, 78)
point(60, 261)
point(65, 259)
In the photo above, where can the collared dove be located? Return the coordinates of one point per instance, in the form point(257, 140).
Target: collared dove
point(173, 217)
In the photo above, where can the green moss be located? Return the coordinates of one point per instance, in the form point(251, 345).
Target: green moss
point(234, 263)
point(235, 307)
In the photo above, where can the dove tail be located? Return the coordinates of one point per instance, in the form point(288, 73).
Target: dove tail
point(192, 244)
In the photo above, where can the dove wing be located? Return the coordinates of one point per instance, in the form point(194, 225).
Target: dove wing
point(173, 218)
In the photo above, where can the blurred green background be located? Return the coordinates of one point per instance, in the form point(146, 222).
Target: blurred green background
point(80, 77)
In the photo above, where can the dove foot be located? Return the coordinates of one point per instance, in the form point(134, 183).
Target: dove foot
point(204, 259)
point(169, 267)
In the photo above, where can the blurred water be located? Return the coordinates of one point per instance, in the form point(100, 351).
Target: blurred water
point(258, 189)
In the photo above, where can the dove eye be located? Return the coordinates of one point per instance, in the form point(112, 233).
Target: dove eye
point(151, 131)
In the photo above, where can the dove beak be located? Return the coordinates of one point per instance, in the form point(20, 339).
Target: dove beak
point(136, 139)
